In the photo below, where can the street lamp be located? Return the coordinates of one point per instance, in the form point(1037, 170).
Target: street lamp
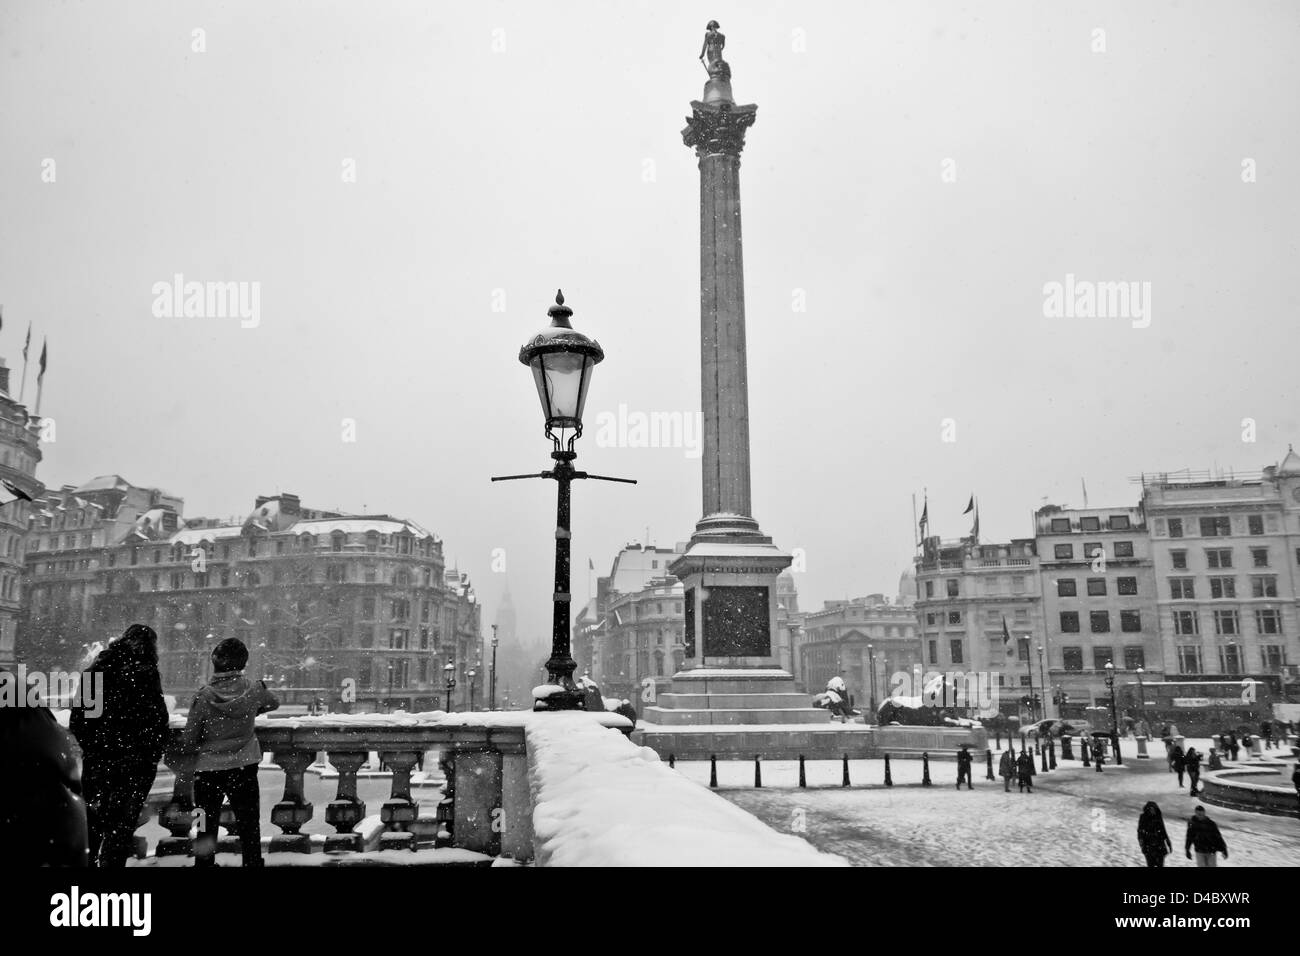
point(492, 705)
point(1042, 681)
point(449, 672)
point(1114, 720)
point(470, 675)
point(1029, 669)
point(1142, 700)
point(561, 360)
point(871, 660)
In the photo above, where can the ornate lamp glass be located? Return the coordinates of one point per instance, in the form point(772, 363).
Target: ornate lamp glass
point(561, 359)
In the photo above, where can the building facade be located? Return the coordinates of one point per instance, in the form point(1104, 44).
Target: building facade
point(1226, 554)
point(20, 453)
point(865, 641)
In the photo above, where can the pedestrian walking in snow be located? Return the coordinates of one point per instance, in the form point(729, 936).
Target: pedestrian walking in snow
point(1204, 837)
point(1007, 769)
point(964, 767)
point(1025, 771)
point(220, 733)
point(1152, 836)
point(1193, 764)
point(1235, 744)
point(1178, 763)
point(122, 745)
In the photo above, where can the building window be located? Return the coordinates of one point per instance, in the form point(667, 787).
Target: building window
point(1022, 649)
point(1063, 552)
point(424, 638)
point(1134, 657)
point(1179, 559)
point(929, 619)
point(1223, 587)
point(1176, 531)
point(1189, 658)
point(929, 585)
point(1256, 524)
point(1263, 585)
point(398, 638)
point(336, 541)
point(1268, 621)
point(954, 617)
point(1073, 658)
point(1119, 523)
point(1259, 557)
point(177, 580)
point(1181, 589)
point(1096, 587)
point(952, 587)
point(1226, 622)
point(1219, 526)
point(1090, 523)
point(954, 648)
point(1123, 549)
point(153, 582)
point(1127, 586)
point(1094, 549)
point(1274, 657)
point(1130, 621)
point(1060, 525)
point(934, 651)
point(1099, 622)
point(1066, 587)
point(1230, 659)
point(1218, 558)
point(367, 636)
point(1101, 656)
point(1070, 622)
point(336, 573)
point(368, 608)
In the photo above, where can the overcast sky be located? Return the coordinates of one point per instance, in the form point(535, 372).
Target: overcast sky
point(504, 149)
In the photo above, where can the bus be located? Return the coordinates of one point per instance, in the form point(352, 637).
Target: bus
point(1199, 708)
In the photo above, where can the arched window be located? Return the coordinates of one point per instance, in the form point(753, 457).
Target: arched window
point(337, 540)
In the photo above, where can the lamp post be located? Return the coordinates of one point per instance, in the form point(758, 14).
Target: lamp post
point(470, 675)
point(1042, 681)
point(561, 360)
point(449, 672)
point(492, 705)
point(1114, 720)
point(1029, 669)
point(1142, 699)
point(871, 662)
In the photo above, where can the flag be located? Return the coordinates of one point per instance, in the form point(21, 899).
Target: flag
point(28, 343)
point(2, 316)
point(590, 566)
point(970, 507)
point(975, 529)
point(45, 347)
point(1084, 485)
point(925, 518)
point(1006, 633)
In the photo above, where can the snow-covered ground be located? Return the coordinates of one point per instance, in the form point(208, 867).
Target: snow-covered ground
point(1074, 817)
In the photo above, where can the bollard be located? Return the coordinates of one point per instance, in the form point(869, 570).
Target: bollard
point(1044, 753)
point(1067, 752)
point(758, 773)
point(889, 779)
point(672, 762)
point(1083, 749)
point(925, 769)
point(1142, 749)
point(713, 771)
point(845, 781)
point(803, 780)
point(1051, 754)
point(1022, 741)
point(988, 757)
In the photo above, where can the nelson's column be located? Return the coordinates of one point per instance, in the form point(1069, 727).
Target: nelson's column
point(731, 675)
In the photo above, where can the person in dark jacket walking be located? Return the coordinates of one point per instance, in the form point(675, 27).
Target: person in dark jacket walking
point(1152, 836)
point(1007, 769)
point(1025, 771)
point(1193, 764)
point(1178, 763)
point(42, 813)
point(964, 767)
point(220, 731)
point(122, 745)
point(1204, 837)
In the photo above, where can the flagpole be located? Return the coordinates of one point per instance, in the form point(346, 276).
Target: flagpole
point(40, 379)
point(916, 529)
point(22, 386)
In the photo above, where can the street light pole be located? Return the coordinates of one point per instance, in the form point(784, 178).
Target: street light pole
point(1029, 669)
point(562, 360)
point(871, 660)
point(471, 675)
point(1042, 681)
point(450, 673)
point(493, 704)
point(1114, 719)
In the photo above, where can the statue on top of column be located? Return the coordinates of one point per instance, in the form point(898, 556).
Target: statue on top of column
point(711, 52)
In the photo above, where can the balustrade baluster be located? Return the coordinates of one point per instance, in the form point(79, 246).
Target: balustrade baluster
point(398, 812)
point(293, 810)
point(346, 810)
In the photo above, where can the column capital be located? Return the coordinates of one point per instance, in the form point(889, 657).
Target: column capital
point(718, 128)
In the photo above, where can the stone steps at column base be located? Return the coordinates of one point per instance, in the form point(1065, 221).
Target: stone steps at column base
point(733, 716)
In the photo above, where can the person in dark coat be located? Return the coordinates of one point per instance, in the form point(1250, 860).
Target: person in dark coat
point(964, 767)
point(1025, 771)
point(1266, 731)
point(42, 813)
point(1007, 769)
point(1178, 763)
point(1204, 837)
point(121, 746)
point(1193, 764)
point(1152, 836)
point(1236, 747)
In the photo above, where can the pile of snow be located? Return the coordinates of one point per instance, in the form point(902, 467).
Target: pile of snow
point(600, 800)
